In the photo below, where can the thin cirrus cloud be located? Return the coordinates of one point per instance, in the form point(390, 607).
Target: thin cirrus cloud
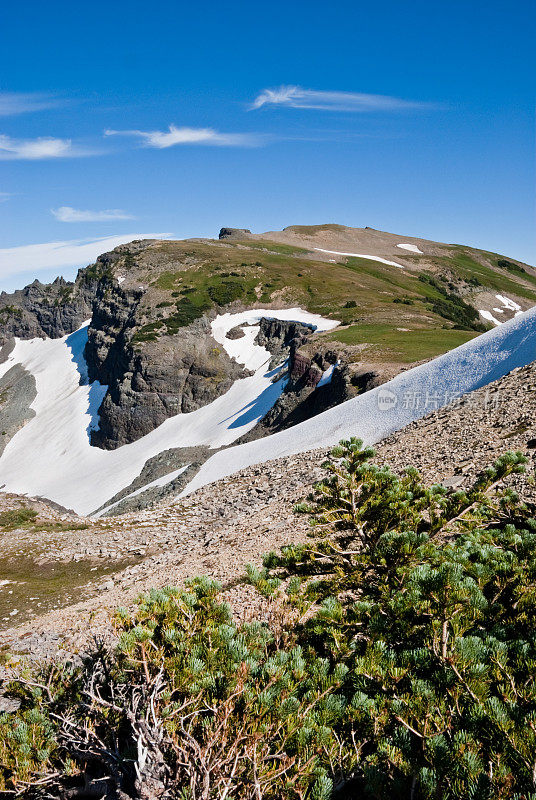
point(32, 258)
point(191, 136)
point(14, 103)
point(42, 148)
point(296, 97)
point(69, 214)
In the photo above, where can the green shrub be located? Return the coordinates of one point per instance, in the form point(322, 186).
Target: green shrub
point(17, 518)
point(451, 306)
point(129, 260)
point(396, 659)
point(148, 332)
point(27, 745)
point(96, 271)
point(226, 292)
point(510, 266)
point(10, 311)
point(186, 313)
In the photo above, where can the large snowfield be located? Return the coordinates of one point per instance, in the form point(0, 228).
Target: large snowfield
point(51, 456)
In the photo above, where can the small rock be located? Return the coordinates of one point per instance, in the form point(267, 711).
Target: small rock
point(453, 481)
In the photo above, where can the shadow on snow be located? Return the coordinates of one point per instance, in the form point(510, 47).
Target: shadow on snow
point(76, 343)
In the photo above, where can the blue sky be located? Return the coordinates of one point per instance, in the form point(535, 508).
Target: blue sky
point(414, 117)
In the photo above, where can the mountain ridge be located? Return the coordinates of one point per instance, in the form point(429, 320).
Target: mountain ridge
point(151, 354)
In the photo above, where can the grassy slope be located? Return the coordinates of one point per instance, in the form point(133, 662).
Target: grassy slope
point(385, 342)
point(192, 276)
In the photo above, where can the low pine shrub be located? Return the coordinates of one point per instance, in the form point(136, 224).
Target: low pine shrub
point(401, 663)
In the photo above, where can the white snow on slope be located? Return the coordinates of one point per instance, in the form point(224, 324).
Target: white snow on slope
point(244, 350)
point(489, 316)
point(326, 376)
point(508, 305)
point(383, 410)
point(361, 255)
point(51, 455)
point(411, 247)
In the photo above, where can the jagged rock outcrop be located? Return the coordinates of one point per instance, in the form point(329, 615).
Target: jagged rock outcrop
point(55, 309)
point(151, 303)
point(282, 338)
point(59, 308)
point(236, 233)
point(302, 397)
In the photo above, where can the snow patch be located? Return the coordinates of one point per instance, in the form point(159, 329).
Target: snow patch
point(361, 255)
point(244, 350)
point(507, 303)
point(326, 376)
point(411, 247)
point(490, 318)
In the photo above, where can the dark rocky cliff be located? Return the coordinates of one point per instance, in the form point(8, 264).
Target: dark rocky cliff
point(55, 309)
point(147, 384)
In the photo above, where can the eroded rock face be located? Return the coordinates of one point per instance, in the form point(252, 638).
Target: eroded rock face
point(17, 392)
point(54, 310)
point(282, 338)
point(146, 385)
point(302, 396)
point(152, 346)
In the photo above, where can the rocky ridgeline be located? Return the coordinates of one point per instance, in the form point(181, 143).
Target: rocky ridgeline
point(54, 309)
point(151, 304)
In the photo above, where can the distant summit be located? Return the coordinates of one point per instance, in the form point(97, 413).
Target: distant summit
point(229, 233)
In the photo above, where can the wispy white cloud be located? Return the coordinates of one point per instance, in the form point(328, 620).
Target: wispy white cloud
point(296, 97)
point(4, 196)
point(60, 255)
point(68, 214)
point(13, 103)
point(43, 147)
point(191, 136)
